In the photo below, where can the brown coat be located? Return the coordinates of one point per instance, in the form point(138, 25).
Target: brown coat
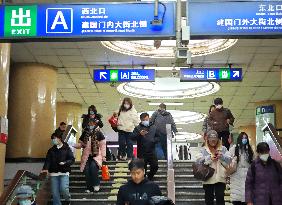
point(218, 119)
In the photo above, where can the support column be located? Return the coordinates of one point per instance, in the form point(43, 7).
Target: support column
point(70, 113)
point(251, 132)
point(4, 90)
point(32, 110)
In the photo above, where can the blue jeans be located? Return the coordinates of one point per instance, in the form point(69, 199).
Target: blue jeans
point(125, 144)
point(60, 186)
point(91, 174)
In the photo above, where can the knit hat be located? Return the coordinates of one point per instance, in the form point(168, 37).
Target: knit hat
point(24, 191)
point(212, 134)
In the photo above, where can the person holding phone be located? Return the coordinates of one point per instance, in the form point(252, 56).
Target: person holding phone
point(147, 136)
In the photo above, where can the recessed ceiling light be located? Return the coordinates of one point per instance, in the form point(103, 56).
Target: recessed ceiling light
point(188, 136)
point(168, 88)
point(146, 48)
point(168, 103)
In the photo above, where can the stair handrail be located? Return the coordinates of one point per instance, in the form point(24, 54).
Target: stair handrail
point(170, 170)
point(276, 139)
point(16, 181)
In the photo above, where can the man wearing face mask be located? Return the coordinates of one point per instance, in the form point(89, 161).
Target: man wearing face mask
point(24, 195)
point(147, 136)
point(264, 179)
point(219, 120)
point(57, 163)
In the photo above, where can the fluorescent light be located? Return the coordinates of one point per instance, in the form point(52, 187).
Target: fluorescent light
point(167, 103)
point(179, 128)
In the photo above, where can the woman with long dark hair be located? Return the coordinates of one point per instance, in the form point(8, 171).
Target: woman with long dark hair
point(243, 156)
point(127, 120)
point(92, 114)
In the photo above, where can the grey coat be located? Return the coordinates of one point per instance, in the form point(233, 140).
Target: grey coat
point(160, 119)
point(264, 183)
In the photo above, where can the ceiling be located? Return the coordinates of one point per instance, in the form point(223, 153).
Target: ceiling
point(259, 58)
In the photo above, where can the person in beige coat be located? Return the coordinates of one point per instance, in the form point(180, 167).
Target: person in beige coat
point(216, 156)
point(127, 120)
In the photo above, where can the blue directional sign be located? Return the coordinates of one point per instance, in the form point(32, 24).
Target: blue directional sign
point(241, 18)
point(210, 74)
point(124, 75)
point(93, 20)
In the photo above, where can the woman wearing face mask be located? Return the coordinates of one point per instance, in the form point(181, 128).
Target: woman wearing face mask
point(92, 114)
point(93, 143)
point(243, 154)
point(24, 195)
point(264, 179)
point(127, 120)
point(216, 156)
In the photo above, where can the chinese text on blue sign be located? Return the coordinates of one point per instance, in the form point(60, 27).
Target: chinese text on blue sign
point(210, 74)
point(235, 18)
point(124, 75)
point(89, 20)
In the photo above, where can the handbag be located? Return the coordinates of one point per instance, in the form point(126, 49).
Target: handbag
point(202, 171)
point(232, 167)
point(105, 173)
point(114, 123)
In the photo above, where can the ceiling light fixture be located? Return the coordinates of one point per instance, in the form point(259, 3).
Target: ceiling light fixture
point(146, 48)
point(188, 136)
point(168, 103)
point(168, 88)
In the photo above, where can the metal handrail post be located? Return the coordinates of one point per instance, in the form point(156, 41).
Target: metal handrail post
point(170, 170)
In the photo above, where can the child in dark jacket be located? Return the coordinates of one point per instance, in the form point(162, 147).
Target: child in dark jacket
point(138, 190)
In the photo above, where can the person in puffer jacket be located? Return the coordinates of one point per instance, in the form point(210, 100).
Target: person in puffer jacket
point(243, 154)
point(264, 179)
point(160, 118)
point(216, 156)
point(127, 120)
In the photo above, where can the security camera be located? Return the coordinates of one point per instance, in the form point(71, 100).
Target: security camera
point(174, 73)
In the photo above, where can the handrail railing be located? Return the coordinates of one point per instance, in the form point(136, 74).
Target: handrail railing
point(170, 170)
point(16, 181)
point(275, 143)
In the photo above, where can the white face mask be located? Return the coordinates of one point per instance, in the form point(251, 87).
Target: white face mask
point(264, 157)
point(218, 106)
point(126, 106)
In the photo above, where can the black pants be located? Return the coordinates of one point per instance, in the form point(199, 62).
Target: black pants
point(91, 174)
point(224, 136)
point(152, 160)
point(238, 203)
point(214, 190)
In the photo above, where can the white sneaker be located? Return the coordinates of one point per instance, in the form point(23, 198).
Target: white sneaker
point(96, 188)
point(88, 191)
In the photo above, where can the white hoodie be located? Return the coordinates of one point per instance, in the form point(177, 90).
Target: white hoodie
point(128, 120)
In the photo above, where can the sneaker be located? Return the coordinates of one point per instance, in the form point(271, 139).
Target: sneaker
point(96, 188)
point(123, 158)
point(88, 191)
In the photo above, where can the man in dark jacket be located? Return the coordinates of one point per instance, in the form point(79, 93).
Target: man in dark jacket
point(147, 137)
point(57, 163)
point(160, 118)
point(264, 179)
point(138, 190)
point(61, 129)
point(219, 120)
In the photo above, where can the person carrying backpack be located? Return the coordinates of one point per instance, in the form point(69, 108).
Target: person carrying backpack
point(263, 183)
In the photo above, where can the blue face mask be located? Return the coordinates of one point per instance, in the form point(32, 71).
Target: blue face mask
point(146, 123)
point(92, 113)
point(91, 127)
point(55, 141)
point(25, 202)
point(244, 141)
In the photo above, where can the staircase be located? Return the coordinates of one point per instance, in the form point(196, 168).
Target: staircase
point(109, 189)
point(188, 190)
